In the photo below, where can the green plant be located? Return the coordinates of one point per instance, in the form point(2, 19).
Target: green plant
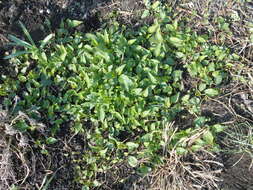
point(120, 88)
point(238, 138)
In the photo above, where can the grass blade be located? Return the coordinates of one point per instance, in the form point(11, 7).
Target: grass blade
point(16, 54)
point(19, 42)
point(46, 40)
point(25, 31)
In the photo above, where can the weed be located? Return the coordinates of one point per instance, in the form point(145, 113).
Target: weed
point(121, 88)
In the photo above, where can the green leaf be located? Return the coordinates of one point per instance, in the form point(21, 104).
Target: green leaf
point(46, 40)
point(211, 92)
point(144, 170)
point(22, 78)
point(153, 28)
point(186, 98)
point(217, 128)
point(118, 116)
point(195, 148)
point(120, 69)
point(175, 98)
point(208, 137)
point(177, 75)
point(22, 126)
point(126, 82)
point(201, 39)
point(101, 114)
point(16, 54)
point(131, 145)
point(200, 121)
point(152, 78)
point(167, 102)
point(51, 140)
point(131, 42)
point(155, 5)
point(20, 42)
point(145, 92)
point(181, 151)
point(157, 50)
point(217, 77)
point(85, 187)
point(176, 41)
point(63, 52)
point(158, 35)
point(202, 86)
point(93, 38)
point(145, 14)
point(132, 161)
point(25, 31)
point(73, 23)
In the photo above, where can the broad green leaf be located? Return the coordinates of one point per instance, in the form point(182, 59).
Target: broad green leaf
point(22, 78)
point(201, 39)
point(126, 82)
point(200, 121)
point(147, 137)
point(144, 170)
point(73, 23)
point(145, 14)
point(153, 28)
point(120, 69)
point(196, 148)
point(157, 50)
point(202, 86)
point(145, 92)
point(167, 102)
point(217, 77)
point(208, 137)
point(217, 128)
point(186, 98)
point(101, 114)
point(211, 92)
point(152, 78)
point(46, 40)
point(106, 37)
point(131, 42)
point(132, 161)
point(181, 151)
point(158, 35)
point(63, 52)
point(131, 145)
point(155, 5)
point(103, 152)
point(176, 41)
point(118, 116)
point(93, 38)
point(177, 75)
point(51, 140)
point(137, 91)
point(175, 98)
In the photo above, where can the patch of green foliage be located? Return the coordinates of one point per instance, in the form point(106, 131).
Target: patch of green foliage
point(120, 88)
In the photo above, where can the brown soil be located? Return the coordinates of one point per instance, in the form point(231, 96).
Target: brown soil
point(238, 173)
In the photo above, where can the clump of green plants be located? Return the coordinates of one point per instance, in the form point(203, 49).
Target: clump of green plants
point(120, 88)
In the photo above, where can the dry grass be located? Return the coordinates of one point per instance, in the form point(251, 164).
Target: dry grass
point(13, 147)
point(196, 171)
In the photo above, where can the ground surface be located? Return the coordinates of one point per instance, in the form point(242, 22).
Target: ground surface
point(37, 169)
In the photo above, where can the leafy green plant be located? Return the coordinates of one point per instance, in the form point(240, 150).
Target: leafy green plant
point(120, 88)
